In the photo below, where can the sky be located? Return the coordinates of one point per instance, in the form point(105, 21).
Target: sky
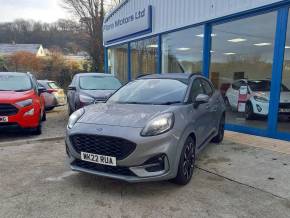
point(40, 10)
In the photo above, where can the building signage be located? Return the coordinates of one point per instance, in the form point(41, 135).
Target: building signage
point(137, 23)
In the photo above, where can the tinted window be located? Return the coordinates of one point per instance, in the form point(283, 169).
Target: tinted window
point(236, 85)
point(207, 87)
point(151, 91)
point(15, 83)
point(264, 86)
point(144, 57)
point(99, 83)
point(196, 89)
point(181, 51)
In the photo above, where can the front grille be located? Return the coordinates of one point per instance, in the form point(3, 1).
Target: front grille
point(8, 110)
point(103, 145)
point(284, 105)
point(9, 125)
point(124, 171)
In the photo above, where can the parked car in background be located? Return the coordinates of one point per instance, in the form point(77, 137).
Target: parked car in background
point(150, 129)
point(54, 96)
point(258, 97)
point(89, 88)
point(21, 102)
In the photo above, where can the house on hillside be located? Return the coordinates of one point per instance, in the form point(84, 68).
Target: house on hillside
point(9, 49)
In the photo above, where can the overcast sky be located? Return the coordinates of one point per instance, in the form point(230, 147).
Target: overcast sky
point(41, 10)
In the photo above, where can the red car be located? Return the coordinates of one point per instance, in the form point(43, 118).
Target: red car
point(21, 102)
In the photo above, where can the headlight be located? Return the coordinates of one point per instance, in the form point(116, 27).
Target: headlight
point(158, 125)
point(261, 99)
point(24, 103)
point(86, 99)
point(75, 117)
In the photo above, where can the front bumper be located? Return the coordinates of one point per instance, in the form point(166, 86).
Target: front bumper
point(137, 162)
point(263, 108)
point(20, 120)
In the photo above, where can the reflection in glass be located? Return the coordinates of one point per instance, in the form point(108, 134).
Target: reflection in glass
point(241, 67)
point(284, 107)
point(182, 51)
point(144, 57)
point(118, 62)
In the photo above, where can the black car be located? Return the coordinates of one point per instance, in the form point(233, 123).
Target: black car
point(89, 88)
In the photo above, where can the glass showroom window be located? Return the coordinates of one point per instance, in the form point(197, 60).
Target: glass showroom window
point(284, 107)
point(182, 51)
point(241, 67)
point(144, 57)
point(118, 62)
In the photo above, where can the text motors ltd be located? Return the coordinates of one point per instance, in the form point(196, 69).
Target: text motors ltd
point(138, 15)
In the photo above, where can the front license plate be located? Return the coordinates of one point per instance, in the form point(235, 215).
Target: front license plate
point(284, 110)
point(3, 119)
point(99, 159)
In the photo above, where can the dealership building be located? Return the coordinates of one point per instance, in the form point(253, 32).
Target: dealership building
point(232, 42)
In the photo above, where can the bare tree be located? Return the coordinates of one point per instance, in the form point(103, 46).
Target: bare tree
point(91, 15)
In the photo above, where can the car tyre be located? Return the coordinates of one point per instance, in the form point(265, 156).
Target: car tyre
point(186, 163)
point(44, 116)
point(37, 130)
point(221, 131)
point(49, 108)
point(70, 111)
point(249, 112)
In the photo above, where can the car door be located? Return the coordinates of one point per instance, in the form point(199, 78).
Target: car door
point(200, 114)
point(211, 106)
point(71, 94)
point(233, 96)
point(39, 98)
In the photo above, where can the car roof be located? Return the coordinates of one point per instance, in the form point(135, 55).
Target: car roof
point(170, 76)
point(95, 74)
point(12, 73)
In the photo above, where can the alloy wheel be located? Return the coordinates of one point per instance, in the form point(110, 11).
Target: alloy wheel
point(189, 160)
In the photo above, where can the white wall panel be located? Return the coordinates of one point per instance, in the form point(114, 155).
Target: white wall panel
point(172, 14)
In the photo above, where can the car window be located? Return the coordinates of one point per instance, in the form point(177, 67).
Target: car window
point(53, 85)
point(15, 83)
point(207, 87)
point(151, 91)
point(40, 85)
point(196, 89)
point(236, 85)
point(99, 83)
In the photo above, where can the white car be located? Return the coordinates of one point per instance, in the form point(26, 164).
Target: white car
point(257, 99)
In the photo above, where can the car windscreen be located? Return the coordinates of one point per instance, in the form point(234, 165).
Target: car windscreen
point(264, 86)
point(99, 83)
point(15, 83)
point(53, 85)
point(151, 91)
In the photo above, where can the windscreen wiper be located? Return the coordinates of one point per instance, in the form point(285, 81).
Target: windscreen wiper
point(21, 90)
point(171, 102)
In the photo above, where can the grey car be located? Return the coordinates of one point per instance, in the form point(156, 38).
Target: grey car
point(54, 95)
point(151, 129)
point(89, 88)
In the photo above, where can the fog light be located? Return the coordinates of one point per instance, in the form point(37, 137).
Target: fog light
point(155, 164)
point(259, 108)
point(30, 112)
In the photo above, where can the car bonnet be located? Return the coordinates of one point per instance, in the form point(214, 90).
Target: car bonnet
point(125, 115)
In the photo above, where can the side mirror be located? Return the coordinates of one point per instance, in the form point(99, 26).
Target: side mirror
point(41, 90)
point(72, 88)
point(201, 99)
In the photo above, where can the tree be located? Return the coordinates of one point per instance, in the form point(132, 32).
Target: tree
point(91, 15)
point(24, 61)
